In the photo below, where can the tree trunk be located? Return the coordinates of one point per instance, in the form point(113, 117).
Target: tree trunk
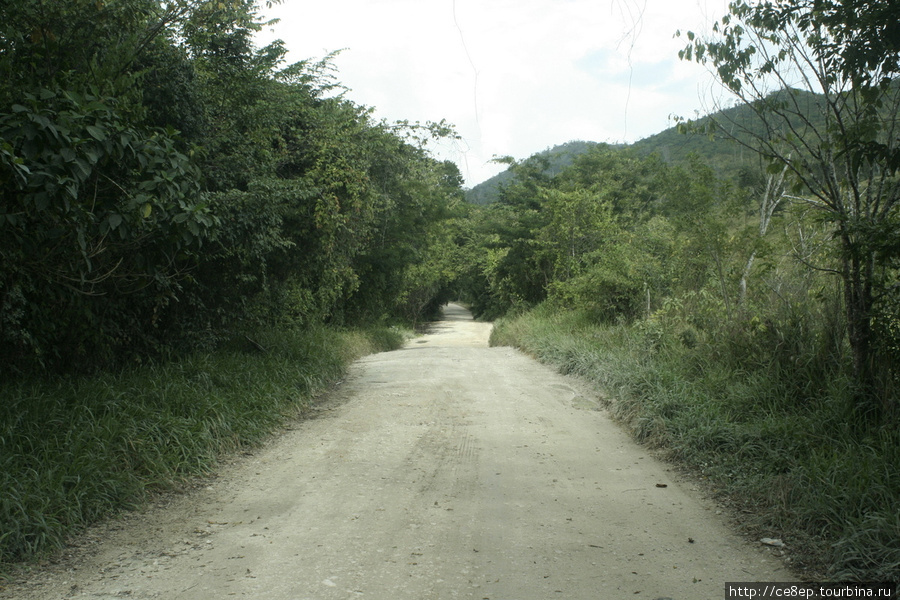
point(772, 197)
point(744, 277)
point(857, 274)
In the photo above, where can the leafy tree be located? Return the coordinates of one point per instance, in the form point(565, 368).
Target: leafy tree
point(583, 237)
point(820, 76)
point(408, 263)
point(101, 212)
point(706, 212)
point(240, 102)
point(628, 183)
point(519, 266)
point(771, 196)
point(608, 199)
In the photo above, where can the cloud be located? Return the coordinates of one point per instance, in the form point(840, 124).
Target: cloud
point(515, 77)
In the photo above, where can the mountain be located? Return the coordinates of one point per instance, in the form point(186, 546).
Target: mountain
point(725, 156)
point(559, 158)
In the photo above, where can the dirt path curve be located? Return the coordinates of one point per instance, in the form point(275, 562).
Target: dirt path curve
point(443, 470)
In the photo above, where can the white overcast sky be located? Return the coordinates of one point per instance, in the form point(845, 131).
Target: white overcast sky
point(514, 76)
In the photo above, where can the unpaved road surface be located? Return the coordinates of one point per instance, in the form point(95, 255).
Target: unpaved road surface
point(443, 470)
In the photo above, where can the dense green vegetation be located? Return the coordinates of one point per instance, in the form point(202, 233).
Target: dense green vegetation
point(745, 317)
point(167, 185)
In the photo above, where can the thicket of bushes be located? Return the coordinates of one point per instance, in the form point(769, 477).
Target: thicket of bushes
point(166, 185)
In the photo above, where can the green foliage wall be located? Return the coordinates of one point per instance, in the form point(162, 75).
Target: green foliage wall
point(164, 184)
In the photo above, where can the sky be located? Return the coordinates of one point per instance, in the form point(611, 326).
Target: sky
point(514, 77)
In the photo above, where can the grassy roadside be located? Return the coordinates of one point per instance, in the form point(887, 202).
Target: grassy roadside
point(783, 449)
point(77, 450)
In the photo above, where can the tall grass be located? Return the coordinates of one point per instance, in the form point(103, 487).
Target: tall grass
point(770, 425)
point(73, 451)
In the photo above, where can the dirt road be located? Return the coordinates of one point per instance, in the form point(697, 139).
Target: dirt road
point(443, 470)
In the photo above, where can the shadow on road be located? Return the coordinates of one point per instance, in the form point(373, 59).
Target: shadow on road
point(455, 312)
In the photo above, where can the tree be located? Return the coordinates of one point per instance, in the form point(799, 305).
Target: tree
point(770, 198)
point(705, 211)
point(100, 212)
point(819, 75)
point(582, 235)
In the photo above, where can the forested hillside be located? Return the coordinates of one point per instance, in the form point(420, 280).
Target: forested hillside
point(555, 160)
point(167, 185)
point(729, 156)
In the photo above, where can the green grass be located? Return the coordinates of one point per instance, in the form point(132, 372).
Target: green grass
point(77, 450)
point(775, 437)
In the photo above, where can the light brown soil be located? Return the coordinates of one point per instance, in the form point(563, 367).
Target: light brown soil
point(444, 470)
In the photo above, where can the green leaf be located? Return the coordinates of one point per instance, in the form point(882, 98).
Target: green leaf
point(96, 133)
point(84, 167)
point(114, 220)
